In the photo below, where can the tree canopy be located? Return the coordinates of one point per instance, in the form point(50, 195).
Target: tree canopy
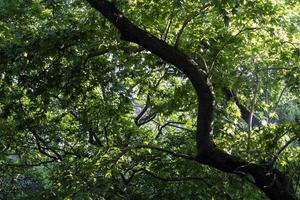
point(135, 99)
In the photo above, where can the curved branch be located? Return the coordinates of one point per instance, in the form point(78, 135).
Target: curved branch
point(275, 184)
point(195, 72)
point(172, 124)
point(272, 182)
point(43, 149)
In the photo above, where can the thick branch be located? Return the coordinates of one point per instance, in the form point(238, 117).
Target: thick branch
point(170, 54)
point(272, 182)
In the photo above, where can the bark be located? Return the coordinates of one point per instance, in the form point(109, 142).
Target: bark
point(272, 182)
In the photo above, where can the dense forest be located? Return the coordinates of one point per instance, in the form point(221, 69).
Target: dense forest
point(136, 99)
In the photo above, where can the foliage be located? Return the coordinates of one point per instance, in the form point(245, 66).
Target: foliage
point(71, 95)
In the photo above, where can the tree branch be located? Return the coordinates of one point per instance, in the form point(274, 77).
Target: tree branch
point(170, 54)
point(175, 154)
point(175, 179)
point(186, 22)
point(226, 43)
point(253, 103)
point(272, 182)
point(245, 112)
point(283, 148)
point(170, 123)
point(145, 146)
point(178, 179)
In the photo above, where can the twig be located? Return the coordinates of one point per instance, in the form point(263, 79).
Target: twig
point(167, 28)
point(175, 154)
point(144, 146)
point(186, 22)
point(174, 179)
point(177, 179)
point(173, 124)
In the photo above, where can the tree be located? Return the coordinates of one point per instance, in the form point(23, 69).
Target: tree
point(100, 117)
